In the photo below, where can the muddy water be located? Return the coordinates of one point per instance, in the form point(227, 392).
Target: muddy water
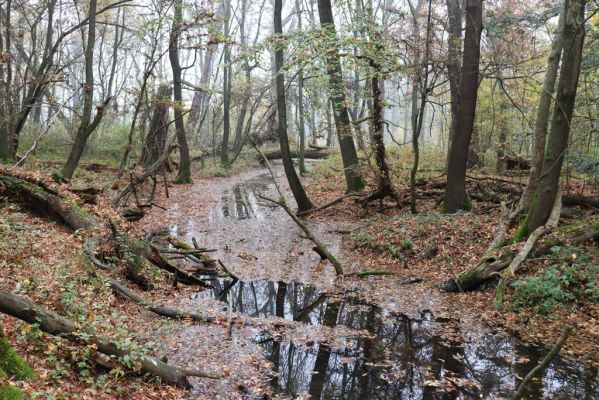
point(382, 354)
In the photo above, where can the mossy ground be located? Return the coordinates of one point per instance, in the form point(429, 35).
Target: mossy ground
point(13, 367)
point(8, 392)
point(11, 364)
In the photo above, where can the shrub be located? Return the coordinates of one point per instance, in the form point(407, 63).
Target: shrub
point(557, 286)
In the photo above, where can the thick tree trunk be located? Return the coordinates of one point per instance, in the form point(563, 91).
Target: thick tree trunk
point(155, 141)
point(548, 183)
point(454, 43)
point(184, 175)
point(227, 72)
point(456, 197)
point(353, 175)
point(303, 202)
point(45, 200)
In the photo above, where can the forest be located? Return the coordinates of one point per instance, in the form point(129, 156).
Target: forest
point(311, 199)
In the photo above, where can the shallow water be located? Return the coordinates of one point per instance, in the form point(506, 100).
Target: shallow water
point(393, 356)
point(389, 355)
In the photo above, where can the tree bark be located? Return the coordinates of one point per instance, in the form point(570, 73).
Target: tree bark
point(303, 202)
point(227, 71)
point(454, 51)
point(54, 324)
point(543, 111)
point(85, 128)
point(184, 175)
point(155, 141)
point(456, 197)
point(353, 176)
point(548, 183)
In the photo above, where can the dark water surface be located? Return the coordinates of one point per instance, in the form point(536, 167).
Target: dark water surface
point(400, 357)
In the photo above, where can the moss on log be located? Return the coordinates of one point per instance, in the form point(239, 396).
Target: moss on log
point(41, 199)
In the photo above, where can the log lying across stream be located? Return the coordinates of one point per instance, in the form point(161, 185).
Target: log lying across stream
point(308, 153)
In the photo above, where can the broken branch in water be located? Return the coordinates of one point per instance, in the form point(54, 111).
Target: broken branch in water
point(227, 271)
point(543, 364)
point(168, 312)
point(371, 273)
point(323, 249)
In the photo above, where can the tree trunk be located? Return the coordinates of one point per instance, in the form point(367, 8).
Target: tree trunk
point(454, 43)
point(353, 176)
point(303, 202)
point(155, 140)
point(542, 121)
point(300, 101)
point(548, 183)
point(224, 155)
point(88, 95)
point(456, 197)
point(54, 324)
point(184, 175)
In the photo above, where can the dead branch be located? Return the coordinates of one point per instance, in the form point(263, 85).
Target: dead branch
point(330, 203)
point(164, 311)
point(323, 249)
point(543, 364)
point(551, 223)
point(147, 173)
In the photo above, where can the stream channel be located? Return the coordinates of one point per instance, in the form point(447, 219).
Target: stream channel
point(380, 350)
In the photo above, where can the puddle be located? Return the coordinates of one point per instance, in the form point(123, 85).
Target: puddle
point(400, 357)
point(242, 202)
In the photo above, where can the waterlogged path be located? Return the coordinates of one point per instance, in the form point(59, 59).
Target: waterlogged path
point(347, 338)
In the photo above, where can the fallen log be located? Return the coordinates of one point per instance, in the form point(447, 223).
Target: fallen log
point(308, 153)
point(580, 201)
point(473, 277)
point(492, 264)
point(24, 309)
point(551, 223)
point(44, 200)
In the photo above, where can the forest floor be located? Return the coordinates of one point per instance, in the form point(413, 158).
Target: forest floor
point(41, 259)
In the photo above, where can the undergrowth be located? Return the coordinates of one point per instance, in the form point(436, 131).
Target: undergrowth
point(558, 285)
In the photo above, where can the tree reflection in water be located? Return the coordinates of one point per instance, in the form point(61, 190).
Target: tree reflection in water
point(241, 202)
point(416, 358)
